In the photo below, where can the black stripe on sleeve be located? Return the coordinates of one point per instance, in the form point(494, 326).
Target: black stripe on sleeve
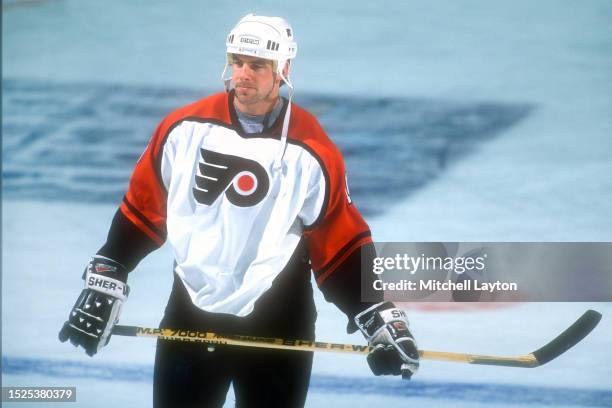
point(160, 233)
point(343, 251)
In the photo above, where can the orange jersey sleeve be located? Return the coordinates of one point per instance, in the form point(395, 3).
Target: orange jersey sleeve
point(144, 204)
point(340, 229)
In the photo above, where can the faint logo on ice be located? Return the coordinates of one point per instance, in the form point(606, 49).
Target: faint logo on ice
point(80, 141)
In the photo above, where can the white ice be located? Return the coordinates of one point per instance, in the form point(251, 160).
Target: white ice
point(546, 179)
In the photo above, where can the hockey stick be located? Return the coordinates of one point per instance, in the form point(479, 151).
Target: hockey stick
point(563, 342)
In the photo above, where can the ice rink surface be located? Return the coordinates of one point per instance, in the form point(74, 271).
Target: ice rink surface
point(493, 120)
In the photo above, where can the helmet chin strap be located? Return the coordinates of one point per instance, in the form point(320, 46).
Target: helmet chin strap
point(279, 157)
point(278, 160)
point(276, 43)
point(226, 81)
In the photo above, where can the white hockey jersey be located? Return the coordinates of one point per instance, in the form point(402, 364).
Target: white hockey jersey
point(232, 218)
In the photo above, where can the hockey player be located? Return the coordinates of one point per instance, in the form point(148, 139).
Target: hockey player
point(252, 196)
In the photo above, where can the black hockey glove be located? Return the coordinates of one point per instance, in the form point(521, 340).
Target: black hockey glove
point(97, 309)
point(386, 328)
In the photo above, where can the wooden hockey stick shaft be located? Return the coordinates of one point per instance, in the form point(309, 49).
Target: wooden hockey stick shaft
point(563, 342)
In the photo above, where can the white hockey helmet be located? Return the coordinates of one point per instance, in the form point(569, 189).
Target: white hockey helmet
point(264, 37)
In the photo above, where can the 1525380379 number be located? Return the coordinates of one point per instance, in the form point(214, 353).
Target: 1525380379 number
point(39, 394)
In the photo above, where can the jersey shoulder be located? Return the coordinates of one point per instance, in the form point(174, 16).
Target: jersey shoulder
point(213, 108)
point(306, 130)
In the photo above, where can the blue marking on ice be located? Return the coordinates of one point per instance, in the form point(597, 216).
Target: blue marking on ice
point(468, 392)
point(79, 141)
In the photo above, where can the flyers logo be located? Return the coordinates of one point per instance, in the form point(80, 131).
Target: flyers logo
point(244, 182)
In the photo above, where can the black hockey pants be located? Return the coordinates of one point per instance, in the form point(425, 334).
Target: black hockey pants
point(186, 375)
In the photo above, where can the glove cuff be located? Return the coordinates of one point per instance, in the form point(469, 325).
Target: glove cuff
point(107, 276)
point(369, 321)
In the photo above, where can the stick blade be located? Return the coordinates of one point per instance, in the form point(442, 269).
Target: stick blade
point(569, 338)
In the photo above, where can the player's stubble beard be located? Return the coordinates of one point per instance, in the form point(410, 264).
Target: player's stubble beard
point(257, 96)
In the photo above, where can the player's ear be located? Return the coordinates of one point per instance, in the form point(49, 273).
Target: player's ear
point(285, 74)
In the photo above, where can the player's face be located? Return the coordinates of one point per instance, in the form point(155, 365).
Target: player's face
point(255, 82)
